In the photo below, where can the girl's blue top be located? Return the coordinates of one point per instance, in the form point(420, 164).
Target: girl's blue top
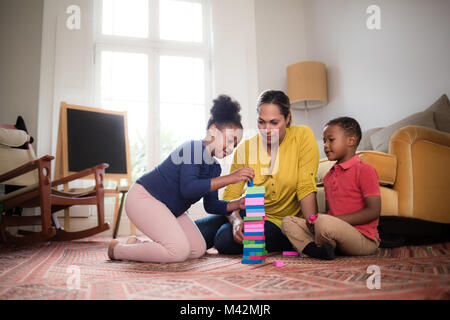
point(184, 177)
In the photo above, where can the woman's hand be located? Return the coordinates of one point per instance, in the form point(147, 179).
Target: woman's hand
point(238, 226)
point(243, 174)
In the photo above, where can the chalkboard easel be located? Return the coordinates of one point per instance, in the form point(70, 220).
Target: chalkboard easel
point(89, 136)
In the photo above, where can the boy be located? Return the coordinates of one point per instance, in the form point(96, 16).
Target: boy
point(352, 196)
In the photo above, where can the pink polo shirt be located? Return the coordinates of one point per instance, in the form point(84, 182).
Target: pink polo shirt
point(346, 186)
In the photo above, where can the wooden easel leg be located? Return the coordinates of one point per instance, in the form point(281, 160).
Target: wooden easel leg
point(67, 219)
point(116, 210)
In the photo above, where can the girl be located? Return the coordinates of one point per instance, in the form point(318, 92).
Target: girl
point(158, 201)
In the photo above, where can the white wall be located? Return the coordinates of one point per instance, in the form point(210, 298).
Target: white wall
point(20, 54)
point(379, 76)
point(280, 37)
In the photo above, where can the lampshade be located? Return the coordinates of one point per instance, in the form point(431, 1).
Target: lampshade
point(307, 82)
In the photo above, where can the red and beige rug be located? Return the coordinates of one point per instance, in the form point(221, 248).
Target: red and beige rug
point(81, 270)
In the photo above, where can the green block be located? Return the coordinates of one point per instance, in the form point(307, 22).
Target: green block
point(259, 189)
point(262, 253)
point(256, 245)
point(252, 242)
point(253, 218)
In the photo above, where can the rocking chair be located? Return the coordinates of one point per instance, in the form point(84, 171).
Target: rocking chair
point(21, 168)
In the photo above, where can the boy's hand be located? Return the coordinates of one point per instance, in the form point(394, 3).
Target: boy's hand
point(310, 226)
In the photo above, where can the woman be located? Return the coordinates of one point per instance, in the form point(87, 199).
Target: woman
point(285, 160)
point(157, 202)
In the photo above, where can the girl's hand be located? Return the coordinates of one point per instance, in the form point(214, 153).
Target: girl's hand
point(243, 174)
point(236, 204)
point(238, 226)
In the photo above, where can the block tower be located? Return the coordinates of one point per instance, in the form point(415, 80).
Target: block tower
point(254, 239)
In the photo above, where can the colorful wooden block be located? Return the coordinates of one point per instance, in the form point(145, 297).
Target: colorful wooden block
point(256, 253)
point(258, 218)
point(253, 241)
point(254, 195)
point(254, 201)
point(254, 223)
point(278, 263)
point(253, 234)
point(257, 189)
point(253, 229)
point(246, 261)
point(256, 245)
point(255, 207)
point(290, 253)
point(255, 238)
point(256, 257)
point(255, 214)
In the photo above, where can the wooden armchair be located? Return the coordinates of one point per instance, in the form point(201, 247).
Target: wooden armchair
point(20, 167)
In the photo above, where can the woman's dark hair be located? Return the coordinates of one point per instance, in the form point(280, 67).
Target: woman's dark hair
point(349, 125)
point(278, 98)
point(225, 111)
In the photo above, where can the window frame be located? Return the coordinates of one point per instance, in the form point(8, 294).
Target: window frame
point(154, 48)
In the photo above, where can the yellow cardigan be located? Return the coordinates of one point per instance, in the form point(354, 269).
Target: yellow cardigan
point(292, 178)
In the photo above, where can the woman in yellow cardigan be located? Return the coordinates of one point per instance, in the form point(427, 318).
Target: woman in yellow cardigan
point(285, 159)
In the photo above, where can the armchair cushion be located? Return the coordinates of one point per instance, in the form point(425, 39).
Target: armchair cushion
point(385, 164)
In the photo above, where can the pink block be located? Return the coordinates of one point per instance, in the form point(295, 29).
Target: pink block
point(254, 201)
point(254, 223)
point(254, 237)
point(290, 253)
point(255, 214)
point(278, 263)
point(253, 230)
point(257, 257)
point(257, 227)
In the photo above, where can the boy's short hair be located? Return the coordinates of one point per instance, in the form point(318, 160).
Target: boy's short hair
point(350, 126)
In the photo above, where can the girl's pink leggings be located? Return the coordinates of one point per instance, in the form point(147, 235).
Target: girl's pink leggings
point(174, 239)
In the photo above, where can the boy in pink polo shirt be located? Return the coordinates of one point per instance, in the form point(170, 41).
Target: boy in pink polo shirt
point(352, 196)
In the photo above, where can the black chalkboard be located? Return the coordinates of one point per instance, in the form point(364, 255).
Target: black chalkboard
point(94, 138)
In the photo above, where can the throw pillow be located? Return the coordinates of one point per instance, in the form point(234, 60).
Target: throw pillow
point(365, 144)
point(380, 139)
point(440, 104)
point(441, 109)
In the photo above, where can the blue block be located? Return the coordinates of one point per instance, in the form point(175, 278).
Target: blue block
point(255, 195)
point(250, 234)
point(246, 261)
point(259, 241)
point(261, 207)
point(249, 251)
point(250, 184)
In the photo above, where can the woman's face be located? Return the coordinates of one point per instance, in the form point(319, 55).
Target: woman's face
point(271, 123)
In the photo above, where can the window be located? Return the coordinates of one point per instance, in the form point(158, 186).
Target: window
point(152, 60)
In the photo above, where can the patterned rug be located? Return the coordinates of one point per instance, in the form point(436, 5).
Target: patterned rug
point(81, 270)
